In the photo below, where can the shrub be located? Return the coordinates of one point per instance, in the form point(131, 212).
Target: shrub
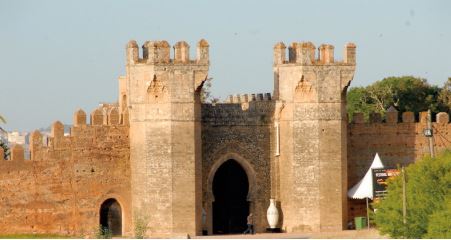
point(103, 233)
point(140, 227)
point(427, 192)
point(440, 222)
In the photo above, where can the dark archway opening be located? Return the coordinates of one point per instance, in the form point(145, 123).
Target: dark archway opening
point(111, 216)
point(230, 208)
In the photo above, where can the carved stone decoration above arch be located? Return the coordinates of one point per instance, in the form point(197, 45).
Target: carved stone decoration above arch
point(243, 155)
point(157, 90)
point(254, 161)
point(305, 90)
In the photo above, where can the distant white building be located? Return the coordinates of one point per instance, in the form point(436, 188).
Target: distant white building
point(21, 138)
point(16, 137)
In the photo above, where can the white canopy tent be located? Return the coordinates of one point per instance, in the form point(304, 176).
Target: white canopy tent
point(364, 188)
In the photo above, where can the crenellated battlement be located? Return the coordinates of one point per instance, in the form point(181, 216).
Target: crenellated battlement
point(240, 109)
point(158, 52)
point(251, 113)
point(91, 163)
point(106, 124)
point(398, 138)
point(244, 98)
point(159, 144)
point(393, 118)
point(17, 153)
point(304, 53)
point(16, 158)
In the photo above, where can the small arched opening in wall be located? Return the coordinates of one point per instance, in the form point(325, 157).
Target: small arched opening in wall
point(230, 195)
point(110, 216)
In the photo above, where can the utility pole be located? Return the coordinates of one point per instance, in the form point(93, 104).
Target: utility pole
point(429, 127)
point(368, 213)
point(404, 198)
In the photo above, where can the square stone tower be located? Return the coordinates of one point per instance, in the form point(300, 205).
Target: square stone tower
point(162, 97)
point(310, 95)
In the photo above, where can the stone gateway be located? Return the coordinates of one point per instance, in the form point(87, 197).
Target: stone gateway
point(162, 162)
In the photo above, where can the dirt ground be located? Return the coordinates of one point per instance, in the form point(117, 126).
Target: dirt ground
point(365, 234)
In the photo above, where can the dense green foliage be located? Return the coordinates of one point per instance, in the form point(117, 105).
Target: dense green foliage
point(405, 93)
point(428, 192)
point(440, 222)
point(445, 94)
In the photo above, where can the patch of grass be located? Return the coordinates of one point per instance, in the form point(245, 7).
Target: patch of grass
point(32, 236)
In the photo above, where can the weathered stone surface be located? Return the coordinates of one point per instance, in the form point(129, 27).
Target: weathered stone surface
point(158, 149)
point(443, 118)
point(79, 118)
point(229, 132)
point(165, 153)
point(408, 117)
point(97, 117)
point(397, 144)
point(60, 190)
point(312, 159)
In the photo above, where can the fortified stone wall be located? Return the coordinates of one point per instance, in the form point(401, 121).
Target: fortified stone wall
point(313, 129)
point(240, 130)
point(162, 91)
point(398, 142)
point(296, 147)
point(60, 189)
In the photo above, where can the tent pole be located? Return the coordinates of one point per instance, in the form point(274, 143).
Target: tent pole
point(367, 213)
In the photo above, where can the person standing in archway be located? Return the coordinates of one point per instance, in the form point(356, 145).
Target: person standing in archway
point(250, 224)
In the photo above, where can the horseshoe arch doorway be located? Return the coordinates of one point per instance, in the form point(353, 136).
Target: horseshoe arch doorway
point(230, 189)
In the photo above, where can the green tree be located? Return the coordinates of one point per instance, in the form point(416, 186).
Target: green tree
point(359, 101)
point(445, 95)
point(406, 93)
point(428, 191)
point(440, 222)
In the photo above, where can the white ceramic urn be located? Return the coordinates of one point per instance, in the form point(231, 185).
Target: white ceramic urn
point(272, 214)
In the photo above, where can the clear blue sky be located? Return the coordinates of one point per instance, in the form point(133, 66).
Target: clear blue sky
point(57, 56)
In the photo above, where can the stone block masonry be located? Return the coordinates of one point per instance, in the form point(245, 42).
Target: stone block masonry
point(163, 95)
point(59, 190)
point(313, 129)
point(161, 160)
point(398, 142)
